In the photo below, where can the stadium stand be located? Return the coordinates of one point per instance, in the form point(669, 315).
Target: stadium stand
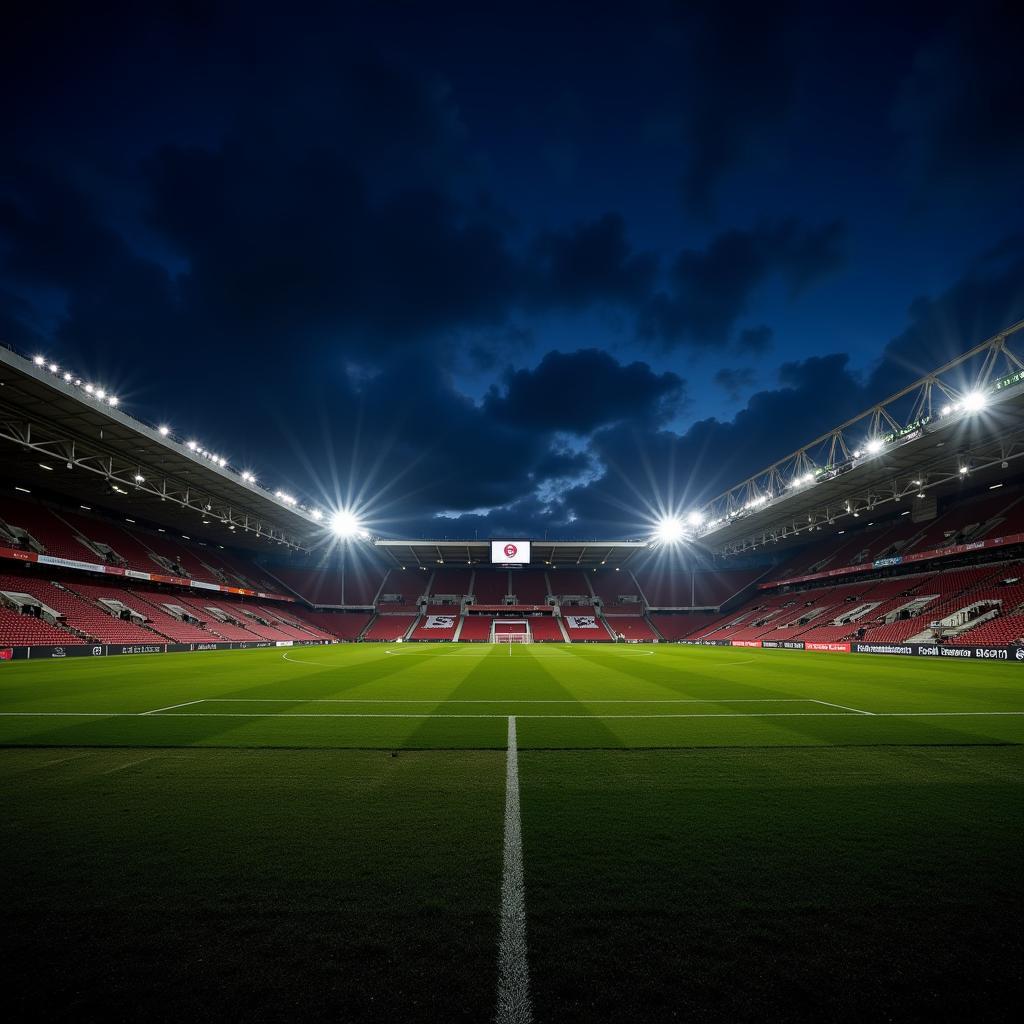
point(1007, 629)
point(389, 627)
point(343, 625)
point(126, 550)
point(476, 629)
point(630, 627)
point(323, 586)
point(490, 586)
point(401, 589)
point(82, 615)
point(54, 535)
point(444, 626)
point(545, 630)
point(680, 625)
point(619, 592)
point(581, 627)
point(18, 630)
point(149, 604)
point(451, 582)
point(571, 583)
point(530, 586)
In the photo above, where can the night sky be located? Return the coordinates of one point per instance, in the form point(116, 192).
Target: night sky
point(543, 270)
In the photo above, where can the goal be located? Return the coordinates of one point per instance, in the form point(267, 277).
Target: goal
point(514, 631)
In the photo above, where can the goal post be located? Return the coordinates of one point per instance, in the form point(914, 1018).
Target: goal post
point(511, 631)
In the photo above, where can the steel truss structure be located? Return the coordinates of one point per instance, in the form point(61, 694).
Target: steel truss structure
point(941, 431)
point(66, 443)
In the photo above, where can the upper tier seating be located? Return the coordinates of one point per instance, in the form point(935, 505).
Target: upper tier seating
point(490, 586)
point(530, 586)
point(453, 582)
point(682, 588)
point(402, 588)
point(570, 583)
point(133, 554)
point(682, 625)
point(618, 592)
point(57, 538)
point(343, 625)
point(317, 586)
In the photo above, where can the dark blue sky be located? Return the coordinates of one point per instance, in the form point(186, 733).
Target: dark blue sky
point(542, 270)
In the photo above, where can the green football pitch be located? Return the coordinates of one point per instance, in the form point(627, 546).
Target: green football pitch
point(548, 833)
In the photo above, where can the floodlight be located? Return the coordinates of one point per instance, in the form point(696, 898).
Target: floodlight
point(874, 445)
point(38, 360)
point(164, 431)
point(112, 400)
point(974, 400)
point(695, 518)
point(669, 530)
point(100, 393)
point(53, 367)
point(139, 478)
point(345, 524)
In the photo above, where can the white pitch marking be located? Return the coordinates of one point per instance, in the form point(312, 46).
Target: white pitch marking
point(290, 714)
point(172, 706)
point(514, 1004)
point(510, 700)
point(468, 651)
point(843, 706)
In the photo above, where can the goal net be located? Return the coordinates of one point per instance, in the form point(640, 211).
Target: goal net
point(515, 631)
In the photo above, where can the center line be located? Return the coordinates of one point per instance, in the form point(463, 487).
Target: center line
point(514, 1006)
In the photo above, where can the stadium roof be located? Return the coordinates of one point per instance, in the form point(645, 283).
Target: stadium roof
point(60, 434)
point(961, 425)
point(553, 554)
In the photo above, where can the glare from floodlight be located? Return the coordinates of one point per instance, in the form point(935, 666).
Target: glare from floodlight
point(669, 530)
point(695, 518)
point(974, 400)
point(874, 445)
point(345, 524)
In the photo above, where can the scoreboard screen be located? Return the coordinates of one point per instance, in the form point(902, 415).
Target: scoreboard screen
point(510, 552)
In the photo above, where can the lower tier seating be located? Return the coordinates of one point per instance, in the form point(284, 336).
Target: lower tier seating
point(631, 628)
point(389, 627)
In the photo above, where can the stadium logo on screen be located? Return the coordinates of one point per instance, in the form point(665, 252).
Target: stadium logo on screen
point(511, 551)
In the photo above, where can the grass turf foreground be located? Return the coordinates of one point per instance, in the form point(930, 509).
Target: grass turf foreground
point(821, 837)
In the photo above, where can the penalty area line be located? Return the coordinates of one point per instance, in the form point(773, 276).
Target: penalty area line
point(829, 704)
point(171, 707)
point(514, 1004)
